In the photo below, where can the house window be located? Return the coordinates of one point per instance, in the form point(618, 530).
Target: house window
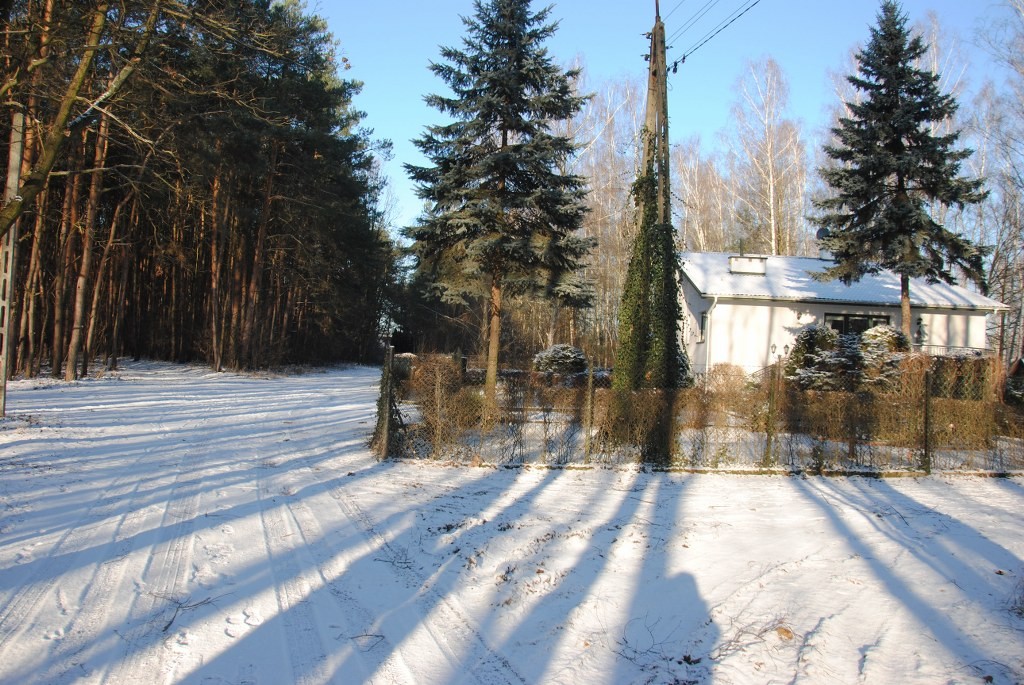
point(703, 326)
point(854, 323)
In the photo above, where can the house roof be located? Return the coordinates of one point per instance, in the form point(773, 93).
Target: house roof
point(790, 279)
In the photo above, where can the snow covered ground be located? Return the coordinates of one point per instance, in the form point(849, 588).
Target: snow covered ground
point(168, 524)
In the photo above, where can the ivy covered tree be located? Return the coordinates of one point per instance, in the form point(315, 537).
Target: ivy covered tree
point(500, 215)
point(893, 170)
point(649, 354)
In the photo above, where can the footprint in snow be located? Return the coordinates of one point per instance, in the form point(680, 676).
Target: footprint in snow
point(56, 634)
point(240, 623)
point(219, 553)
point(179, 642)
point(236, 626)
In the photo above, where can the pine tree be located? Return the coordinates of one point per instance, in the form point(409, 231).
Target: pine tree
point(500, 216)
point(893, 170)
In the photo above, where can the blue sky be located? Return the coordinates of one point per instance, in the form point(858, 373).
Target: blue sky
point(390, 44)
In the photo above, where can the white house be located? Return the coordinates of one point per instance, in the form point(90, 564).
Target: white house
point(746, 310)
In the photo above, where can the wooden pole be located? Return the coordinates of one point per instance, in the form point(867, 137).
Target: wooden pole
point(655, 143)
point(8, 253)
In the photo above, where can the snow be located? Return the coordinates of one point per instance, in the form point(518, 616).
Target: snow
point(168, 524)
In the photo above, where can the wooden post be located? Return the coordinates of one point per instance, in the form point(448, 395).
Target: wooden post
point(926, 460)
point(8, 254)
point(656, 119)
point(588, 415)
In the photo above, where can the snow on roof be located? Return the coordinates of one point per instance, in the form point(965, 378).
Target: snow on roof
point(790, 279)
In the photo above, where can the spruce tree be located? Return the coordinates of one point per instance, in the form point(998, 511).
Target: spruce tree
point(893, 171)
point(500, 216)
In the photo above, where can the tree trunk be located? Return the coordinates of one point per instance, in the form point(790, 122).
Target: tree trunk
point(69, 219)
point(494, 342)
point(32, 290)
point(216, 346)
point(98, 289)
point(82, 287)
point(120, 300)
point(553, 326)
point(251, 299)
point(236, 294)
point(905, 306)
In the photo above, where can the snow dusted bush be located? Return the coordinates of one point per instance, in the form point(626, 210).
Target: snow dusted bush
point(1015, 391)
point(883, 348)
point(402, 365)
point(883, 340)
point(563, 359)
point(822, 359)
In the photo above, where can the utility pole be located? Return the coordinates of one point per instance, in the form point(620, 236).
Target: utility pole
point(656, 120)
point(648, 352)
point(8, 252)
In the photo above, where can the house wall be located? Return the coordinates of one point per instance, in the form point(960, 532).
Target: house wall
point(739, 333)
point(952, 328)
point(742, 332)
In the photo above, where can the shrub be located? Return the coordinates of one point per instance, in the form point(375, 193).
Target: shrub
point(402, 365)
point(560, 359)
point(882, 349)
point(824, 360)
point(1015, 391)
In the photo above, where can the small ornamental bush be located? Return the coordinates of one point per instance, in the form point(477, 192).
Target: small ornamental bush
point(883, 348)
point(820, 359)
point(808, 347)
point(882, 340)
point(1015, 391)
point(561, 359)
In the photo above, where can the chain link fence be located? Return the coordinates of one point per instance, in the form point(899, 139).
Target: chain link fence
point(936, 414)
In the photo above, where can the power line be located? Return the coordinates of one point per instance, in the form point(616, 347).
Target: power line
point(726, 23)
point(721, 27)
point(678, 5)
point(688, 24)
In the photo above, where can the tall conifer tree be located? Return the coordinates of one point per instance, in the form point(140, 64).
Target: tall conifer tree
point(893, 170)
point(500, 215)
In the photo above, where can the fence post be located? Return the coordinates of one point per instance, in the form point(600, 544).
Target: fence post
point(381, 440)
point(588, 415)
point(768, 459)
point(926, 460)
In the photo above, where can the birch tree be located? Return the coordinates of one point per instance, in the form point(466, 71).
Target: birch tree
point(769, 163)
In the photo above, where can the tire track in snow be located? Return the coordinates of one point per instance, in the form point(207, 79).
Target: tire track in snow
point(144, 654)
point(100, 596)
point(393, 669)
point(68, 550)
point(447, 623)
point(305, 642)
